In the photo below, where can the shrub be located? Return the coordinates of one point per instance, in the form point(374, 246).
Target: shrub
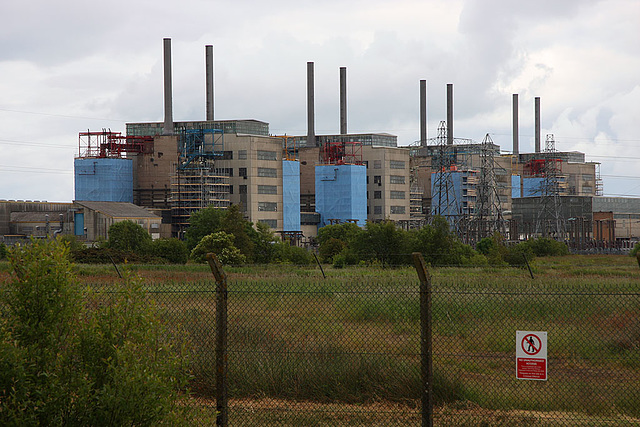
point(3, 250)
point(129, 236)
point(285, 253)
point(173, 250)
point(65, 362)
point(221, 244)
point(543, 246)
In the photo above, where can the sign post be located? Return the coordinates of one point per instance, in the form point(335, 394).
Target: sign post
point(531, 355)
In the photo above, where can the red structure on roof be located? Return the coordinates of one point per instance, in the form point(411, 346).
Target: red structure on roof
point(342, 153)
point(107, 144)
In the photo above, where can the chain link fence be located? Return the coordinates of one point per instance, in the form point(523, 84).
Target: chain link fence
point(352, 352)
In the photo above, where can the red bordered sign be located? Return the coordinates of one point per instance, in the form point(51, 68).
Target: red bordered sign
point(531, 355)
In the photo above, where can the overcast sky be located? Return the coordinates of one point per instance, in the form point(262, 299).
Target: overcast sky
point(71, 66)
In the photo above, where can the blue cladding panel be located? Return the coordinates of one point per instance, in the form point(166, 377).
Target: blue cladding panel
point(532, 187)
point(291, 195)
point(341, 193)
point(104, 180)
point(515, 186)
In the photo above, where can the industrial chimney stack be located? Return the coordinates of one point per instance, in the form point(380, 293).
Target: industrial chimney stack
point(210, 80)
point(343, 100)
point(311, 130)
point(449, 114)
point(515, 125)
point(537, 124)
point(423, 112)
point(168, 101)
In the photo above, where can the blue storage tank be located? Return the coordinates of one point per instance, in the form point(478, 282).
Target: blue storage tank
point(341, 193)
point(291, 195)
point(103, 179)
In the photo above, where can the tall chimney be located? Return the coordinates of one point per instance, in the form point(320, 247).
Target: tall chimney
point(343, 100)
point(449, 114)
point(209, 77)
point(537, 123)
point(311, 129)
point(168, 101)
point(515, 125)
point(423, 112)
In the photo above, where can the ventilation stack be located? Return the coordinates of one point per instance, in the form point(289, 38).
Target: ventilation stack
point(449, 114)
point(168, 92)
point(343, 100)
point(537, 124)
point(515, 125)
point(209, 83)
point(423, 112)
point(311, 129)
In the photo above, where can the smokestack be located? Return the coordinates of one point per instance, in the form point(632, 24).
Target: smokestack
point(343, 100)
point(311, 129)
point(423, 112)
point(168, 101)
point(449, 114)
point(537, 123)
point(209, 77)
point(515, 124)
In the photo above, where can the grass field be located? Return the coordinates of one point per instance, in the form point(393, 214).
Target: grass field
point(304, 350)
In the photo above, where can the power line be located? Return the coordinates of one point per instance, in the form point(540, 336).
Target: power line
point(61, 115)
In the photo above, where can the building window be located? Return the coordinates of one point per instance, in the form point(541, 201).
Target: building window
point(267, 155)
point(231, 189)
point(267, 206)
point(272, 223)
point(396, 164)
point(268, 172)
point(377, 179)
point(396, 194)
point(242, 154)
point(396, 179)
point(225, 171)
point(242, 172)
point(377, 194)
point(267, 189)
point(377, 164)
point(227, 155)
point(397, 210)
point(242, 189)
point(377, 210)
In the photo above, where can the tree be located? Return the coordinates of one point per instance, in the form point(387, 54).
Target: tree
point(129, 236)
point(221, 244)
point(173, 250)
point(264, 243)
point(383, 242)
point(242, 230)
point(70, 360)
point(202, 223)
point(335, 238)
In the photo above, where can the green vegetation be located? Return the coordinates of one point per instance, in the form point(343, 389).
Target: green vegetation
point(67, 358)
point(220, 243)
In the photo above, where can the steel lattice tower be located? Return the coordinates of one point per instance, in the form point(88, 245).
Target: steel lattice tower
point(443, 198)
point(487, 218)
point(549, 221)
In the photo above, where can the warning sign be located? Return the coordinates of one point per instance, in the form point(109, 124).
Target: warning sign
point(531, 355)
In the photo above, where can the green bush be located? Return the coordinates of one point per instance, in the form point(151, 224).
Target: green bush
point(66, 361)
point(285, 253)
point(3, 250)
point(129, 236)
point(221, 244)
point(543, 246)
point(172, 250)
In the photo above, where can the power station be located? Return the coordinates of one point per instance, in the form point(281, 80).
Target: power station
point(296, 184)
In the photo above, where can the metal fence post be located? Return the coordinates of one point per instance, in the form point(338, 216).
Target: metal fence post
point(222, 417)
point(426, 353)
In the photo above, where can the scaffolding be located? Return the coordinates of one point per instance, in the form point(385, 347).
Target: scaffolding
point(197, 183)
point(342, 152)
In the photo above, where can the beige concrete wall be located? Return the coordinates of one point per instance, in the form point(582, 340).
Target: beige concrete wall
point(379, 174)
point(252, 200)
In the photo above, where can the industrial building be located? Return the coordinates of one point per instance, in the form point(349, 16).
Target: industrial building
point(159, 173)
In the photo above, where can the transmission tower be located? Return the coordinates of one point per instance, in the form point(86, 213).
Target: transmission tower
point(488, 213)
point(443, 197)
point(549, 221)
